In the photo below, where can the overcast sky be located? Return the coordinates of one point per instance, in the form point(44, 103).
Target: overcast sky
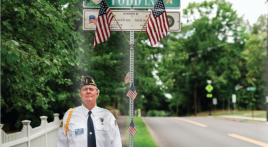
point(251, 8)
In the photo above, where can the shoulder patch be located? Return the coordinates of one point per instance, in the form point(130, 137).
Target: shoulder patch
point(115, 123)
point(61, 124)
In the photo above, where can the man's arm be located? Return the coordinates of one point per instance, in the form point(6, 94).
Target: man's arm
point(117, 142)
point(62, 140)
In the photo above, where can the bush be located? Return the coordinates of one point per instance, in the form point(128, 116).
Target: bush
point(157, 113)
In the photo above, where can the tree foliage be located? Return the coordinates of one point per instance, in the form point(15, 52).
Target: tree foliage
point(39, 47)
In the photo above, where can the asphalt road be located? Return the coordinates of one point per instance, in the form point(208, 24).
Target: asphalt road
point(206, 132)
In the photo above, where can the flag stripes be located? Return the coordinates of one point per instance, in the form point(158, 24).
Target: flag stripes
point(132, 92)
point(103, 30)
point(158, 26)
point(132, 129)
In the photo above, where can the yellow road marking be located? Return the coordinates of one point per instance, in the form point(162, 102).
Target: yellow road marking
point(192, 122)
point(249, 140)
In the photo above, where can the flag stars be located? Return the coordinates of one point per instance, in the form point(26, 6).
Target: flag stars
point(155, 32)
point(159, 9)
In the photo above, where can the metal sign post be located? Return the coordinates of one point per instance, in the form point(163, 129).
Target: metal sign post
point(234, 101)
point(131, 81)
point(252, 89)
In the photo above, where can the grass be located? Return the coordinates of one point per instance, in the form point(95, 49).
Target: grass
point(248, 113)
point(143, 137)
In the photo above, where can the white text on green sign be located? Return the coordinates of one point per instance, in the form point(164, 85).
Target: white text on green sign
point(174, 4)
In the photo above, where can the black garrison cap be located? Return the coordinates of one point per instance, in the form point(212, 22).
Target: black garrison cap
point(87, 80)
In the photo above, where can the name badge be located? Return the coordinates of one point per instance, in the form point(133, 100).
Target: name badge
point(79, 131)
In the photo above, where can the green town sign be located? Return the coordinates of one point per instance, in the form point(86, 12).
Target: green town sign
point(146, 4)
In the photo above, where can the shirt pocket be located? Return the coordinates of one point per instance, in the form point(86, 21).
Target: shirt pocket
point(101, 131)
point(77, 138)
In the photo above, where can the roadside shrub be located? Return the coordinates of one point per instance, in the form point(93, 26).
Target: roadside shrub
point(157, 113)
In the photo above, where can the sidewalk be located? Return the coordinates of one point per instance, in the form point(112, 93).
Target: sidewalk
point(122, 123)
point(243, 118)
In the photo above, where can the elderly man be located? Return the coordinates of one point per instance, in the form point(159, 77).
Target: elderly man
point(89, 125)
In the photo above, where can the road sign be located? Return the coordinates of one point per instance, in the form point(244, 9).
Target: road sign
point(251, 88)
point(129, 20)
point(209, 95)
point(141, 4)
point(214, 100)
point(234, 98)
point(209, 88)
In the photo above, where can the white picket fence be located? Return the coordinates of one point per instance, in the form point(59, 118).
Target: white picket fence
point(43, 136)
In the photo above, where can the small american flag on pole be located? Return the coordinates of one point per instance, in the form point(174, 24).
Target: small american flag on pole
point(132, 92)
point(103, 30)
point(131, 128)
point(158, 26)
point(127, 77)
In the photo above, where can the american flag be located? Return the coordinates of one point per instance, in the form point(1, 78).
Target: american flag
point(103, 30)
point(132, 92)
point(127, 77)
point(132, 129)
point(158, 26)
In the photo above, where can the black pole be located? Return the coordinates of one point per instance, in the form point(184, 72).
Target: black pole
point(252, 104)
point(267, 68)
point(210, 108)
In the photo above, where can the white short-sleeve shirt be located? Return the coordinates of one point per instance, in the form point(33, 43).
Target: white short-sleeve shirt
point(106, 129)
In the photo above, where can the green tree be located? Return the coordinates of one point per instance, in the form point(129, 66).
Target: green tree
point(255, 62)
point(39, 47)
point(213, 42)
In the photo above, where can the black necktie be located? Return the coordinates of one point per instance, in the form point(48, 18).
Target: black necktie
point(91, 140)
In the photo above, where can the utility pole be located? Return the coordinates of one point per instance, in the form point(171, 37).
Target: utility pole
point(267, 67)
point(195, 107)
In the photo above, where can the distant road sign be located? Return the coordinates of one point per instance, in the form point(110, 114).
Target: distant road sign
point(146, 4)
point(209, 88)
point(214, 100)
point(209, 95)
point(129, 20)
point(251, 88)
point(234, 98)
